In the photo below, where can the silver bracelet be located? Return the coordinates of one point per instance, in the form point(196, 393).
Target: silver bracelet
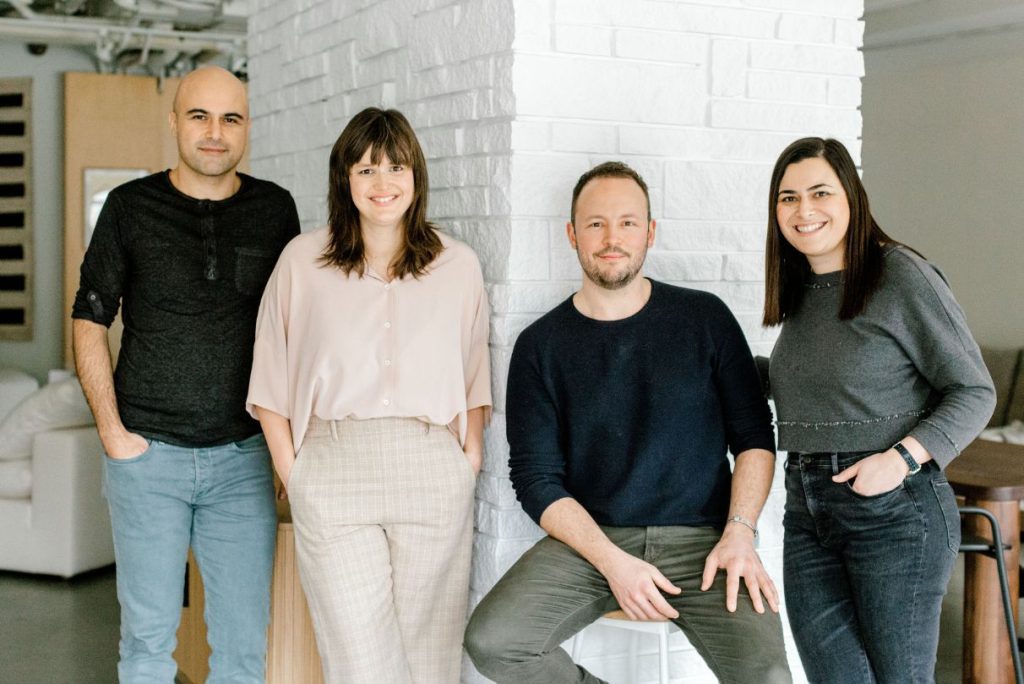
point(743, 521)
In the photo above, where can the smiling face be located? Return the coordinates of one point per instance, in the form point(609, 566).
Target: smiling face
point(382, 192)
point(210, 122)
point(611, 233)
point(813, 212)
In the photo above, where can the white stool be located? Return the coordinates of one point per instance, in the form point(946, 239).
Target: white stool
point(618, 620)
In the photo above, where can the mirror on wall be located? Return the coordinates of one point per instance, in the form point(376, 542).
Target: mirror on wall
point(98, 183)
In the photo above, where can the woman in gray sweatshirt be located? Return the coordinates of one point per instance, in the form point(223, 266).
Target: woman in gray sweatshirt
point(878, 385)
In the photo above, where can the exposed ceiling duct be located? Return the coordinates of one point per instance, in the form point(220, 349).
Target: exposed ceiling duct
point(164, 37)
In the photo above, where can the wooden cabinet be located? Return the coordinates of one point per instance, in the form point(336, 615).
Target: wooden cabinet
point(291, 646)
point(292, 655)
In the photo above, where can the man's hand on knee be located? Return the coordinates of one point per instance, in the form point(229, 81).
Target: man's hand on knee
point(637, 586)
point(735, 553)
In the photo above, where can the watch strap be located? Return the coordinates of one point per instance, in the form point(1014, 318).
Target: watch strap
point(908, 458)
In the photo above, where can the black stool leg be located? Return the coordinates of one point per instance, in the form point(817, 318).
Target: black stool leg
point(996, 551)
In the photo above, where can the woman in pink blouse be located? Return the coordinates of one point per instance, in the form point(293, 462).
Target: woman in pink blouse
point(372, 383)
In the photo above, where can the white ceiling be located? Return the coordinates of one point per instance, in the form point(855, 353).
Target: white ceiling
point(891, 23)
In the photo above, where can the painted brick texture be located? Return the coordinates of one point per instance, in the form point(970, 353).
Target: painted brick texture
point(513, 100)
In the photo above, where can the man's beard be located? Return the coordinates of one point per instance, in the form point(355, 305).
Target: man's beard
point(591, 268)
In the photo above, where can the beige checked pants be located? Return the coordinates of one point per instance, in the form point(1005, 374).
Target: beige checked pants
point(383, 515)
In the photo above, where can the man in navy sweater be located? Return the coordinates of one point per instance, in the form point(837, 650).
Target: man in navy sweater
point(622, 403)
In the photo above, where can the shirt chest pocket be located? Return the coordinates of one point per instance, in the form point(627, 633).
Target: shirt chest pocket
point(252, 269)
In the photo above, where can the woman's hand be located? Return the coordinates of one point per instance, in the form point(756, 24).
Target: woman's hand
point(475, 458)
point(278, 431)
point(474, 445)
point(875, 474)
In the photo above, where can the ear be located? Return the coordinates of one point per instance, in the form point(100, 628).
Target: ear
point(570, 232)
point(650, 232)
point(172, 122)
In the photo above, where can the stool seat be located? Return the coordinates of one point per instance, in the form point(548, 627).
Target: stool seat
point(621, 615)
point(619, 620)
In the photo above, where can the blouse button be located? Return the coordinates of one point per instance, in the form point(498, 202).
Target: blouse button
point(387, 324)
point(387, 362)
point(386, 402)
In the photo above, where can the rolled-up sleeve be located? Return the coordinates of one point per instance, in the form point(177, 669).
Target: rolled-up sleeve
point(104, 268)
point(269, 380)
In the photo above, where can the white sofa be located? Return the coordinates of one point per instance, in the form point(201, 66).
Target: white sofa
point(62, 527)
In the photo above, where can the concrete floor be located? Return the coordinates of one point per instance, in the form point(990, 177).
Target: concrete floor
point(55, 631)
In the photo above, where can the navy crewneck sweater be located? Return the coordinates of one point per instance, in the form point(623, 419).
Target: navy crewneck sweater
point(632, 418)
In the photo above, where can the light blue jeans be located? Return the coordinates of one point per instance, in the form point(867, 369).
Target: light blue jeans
point(220, 501)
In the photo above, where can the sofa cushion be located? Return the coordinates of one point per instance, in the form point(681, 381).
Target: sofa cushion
point(16, 479)
point(1012, 433)
point(1004, 366)
point(57, 405)
point(14, 387)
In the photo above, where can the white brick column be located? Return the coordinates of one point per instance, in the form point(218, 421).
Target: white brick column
point(513, 100)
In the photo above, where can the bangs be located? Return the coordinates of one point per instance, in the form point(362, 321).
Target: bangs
point(383, 137)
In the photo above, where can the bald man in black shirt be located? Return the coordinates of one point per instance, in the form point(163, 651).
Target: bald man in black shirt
point(186, 253)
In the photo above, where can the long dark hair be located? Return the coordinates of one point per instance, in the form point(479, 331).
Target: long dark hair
point(786, 270)
point(383, 132)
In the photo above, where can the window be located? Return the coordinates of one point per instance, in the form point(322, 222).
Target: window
point(15, 209)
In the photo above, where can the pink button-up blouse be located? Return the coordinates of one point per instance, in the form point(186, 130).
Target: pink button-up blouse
point(349, 347)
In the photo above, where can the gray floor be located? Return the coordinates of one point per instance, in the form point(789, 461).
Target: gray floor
point(55, 631)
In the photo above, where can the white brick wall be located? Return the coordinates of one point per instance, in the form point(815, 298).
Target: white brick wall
point(512, 100)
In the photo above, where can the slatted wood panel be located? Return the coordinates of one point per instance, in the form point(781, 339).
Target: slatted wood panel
point(16, 209)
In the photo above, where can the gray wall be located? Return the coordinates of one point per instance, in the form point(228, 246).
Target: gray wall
point(943, 157)
point(44, 350)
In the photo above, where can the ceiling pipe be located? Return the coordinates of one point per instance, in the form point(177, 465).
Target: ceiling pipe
point(24, 8)
point(89, 33)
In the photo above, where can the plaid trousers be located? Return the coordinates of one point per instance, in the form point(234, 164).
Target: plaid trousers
point(383, 515)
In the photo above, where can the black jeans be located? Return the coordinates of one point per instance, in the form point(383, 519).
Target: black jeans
point(865, 575)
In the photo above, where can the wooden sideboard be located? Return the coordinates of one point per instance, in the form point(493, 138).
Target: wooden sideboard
point(291, 651)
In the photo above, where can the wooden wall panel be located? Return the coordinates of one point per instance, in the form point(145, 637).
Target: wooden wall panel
point(117, 122)
point(110, 121)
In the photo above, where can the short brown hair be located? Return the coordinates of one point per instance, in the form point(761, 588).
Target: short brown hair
point(383, 132)
point(786, 269)
point(610, 169)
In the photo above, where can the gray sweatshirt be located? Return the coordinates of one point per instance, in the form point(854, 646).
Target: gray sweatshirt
point(907, 366)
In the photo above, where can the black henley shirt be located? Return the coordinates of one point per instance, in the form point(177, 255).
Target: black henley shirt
point(190, 274)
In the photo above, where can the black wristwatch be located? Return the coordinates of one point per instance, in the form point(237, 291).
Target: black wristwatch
point(914, 466)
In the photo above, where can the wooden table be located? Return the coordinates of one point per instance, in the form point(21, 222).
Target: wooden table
point(989, 475)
